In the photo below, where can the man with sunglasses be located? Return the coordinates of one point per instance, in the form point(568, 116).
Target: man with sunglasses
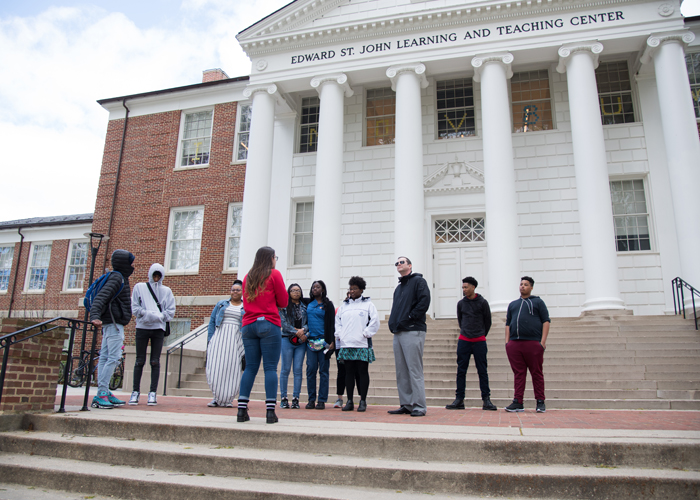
point(407, 323)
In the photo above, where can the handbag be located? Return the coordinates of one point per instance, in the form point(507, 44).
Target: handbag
point(167, 323)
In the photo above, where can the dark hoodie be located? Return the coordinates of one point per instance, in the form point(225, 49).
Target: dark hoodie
point(121, 305)
point(474, 317)
point(411, 301)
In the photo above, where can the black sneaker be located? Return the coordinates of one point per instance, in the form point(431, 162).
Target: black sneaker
point(320, 406)
point(284, 403)
point(310, 405)
point(515, 407)
point(295, 404)
point(457, 404)
point(541, 408)
point(488, 405)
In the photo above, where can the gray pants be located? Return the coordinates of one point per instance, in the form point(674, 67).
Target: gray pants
point(408, 358)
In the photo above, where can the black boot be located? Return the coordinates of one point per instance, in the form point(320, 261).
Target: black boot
point(488, 405)
point(271, 417)
point(363, 405)
point(457, 404)
point(242, 415)
point(349, 406)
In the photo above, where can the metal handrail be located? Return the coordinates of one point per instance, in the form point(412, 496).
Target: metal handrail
point(678, 286)
point(6, 341)
point(180, 345)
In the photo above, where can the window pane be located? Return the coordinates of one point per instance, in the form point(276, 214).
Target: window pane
point(76, 266)
point(6, 255)
point(532, 103)
point(614, 93)
point(381, 116)
point(693, 65)
point(246, 111)
point(39, 267)
point(185, 240)
point(196, 142)
point(308, 136)
point(303, 232)
point(178, 328)
point(455, 108)
point(234, 232)
point(630, 215)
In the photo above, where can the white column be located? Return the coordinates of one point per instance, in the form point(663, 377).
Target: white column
point(579, 61)
point(325, 264)
point(493, 71)
point(682, 144)
point(258, 174)
point(409, 205)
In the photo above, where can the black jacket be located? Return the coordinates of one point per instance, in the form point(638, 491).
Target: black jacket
point(411, 301)
point(474, 317)
point(121, 305)
point(525, 318)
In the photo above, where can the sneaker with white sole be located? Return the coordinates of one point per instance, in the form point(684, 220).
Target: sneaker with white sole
point(515, 407)
point(102, 401)
point(212, 403)
point(152, 399)
point(541, 408)
point(115, 401)
point(338, 403)
point(134, 400)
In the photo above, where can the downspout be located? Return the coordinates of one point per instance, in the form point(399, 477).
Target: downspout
point(14, 282)
point(116, 185)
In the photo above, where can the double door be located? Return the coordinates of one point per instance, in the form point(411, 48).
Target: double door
point(450, 265)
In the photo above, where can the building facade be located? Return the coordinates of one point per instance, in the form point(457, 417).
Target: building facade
point(493, 139)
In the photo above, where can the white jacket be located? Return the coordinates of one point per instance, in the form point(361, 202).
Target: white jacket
point(145, 309)
point(355, 322)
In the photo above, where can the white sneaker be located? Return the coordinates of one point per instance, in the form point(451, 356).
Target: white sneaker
point(212, 403)
point(134, 400)
point(152, 399)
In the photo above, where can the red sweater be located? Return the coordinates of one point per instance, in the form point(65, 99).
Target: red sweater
point(274, 295)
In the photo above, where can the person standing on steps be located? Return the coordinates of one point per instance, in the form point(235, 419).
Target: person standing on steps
point(527, 328)
point(294, 331)
point(474, 319)
point(111, 310)
point(263, 294)
point(407, 323)
point(320, 315)
point(153, 305)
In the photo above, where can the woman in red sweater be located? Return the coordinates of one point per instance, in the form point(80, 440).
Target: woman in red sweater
point(263, 293)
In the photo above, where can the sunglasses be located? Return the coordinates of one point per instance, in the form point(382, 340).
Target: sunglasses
point(400, 262)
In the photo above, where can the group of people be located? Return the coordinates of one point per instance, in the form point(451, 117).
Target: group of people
point(264, 321)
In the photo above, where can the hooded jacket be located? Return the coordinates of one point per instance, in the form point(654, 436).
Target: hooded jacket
point(356, 322)
point(525, 318)
point(411, 301)
point(121, 305)
point(474, 317)
point(144, 307)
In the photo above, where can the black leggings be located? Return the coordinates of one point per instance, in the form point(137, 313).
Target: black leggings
point(359, 370)
point(340, 384)
point(142, 337)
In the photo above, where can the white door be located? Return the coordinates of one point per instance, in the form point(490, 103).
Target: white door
point(450, 266)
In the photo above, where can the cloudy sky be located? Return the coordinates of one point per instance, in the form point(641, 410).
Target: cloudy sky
point(58, 57)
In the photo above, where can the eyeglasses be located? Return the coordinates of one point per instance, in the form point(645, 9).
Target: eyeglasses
point(277, 258)
point(402, 262)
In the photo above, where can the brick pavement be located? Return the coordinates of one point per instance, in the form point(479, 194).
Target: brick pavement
point(553, 419)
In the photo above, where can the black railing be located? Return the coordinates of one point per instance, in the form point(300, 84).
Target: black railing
point(180, 346)
point(7, 341)
point(680, 288)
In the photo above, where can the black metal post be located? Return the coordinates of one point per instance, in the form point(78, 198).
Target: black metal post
point(179, 376)
point(5, 356)
point(93, 251)
point(67, 368)
point(165, 378)
point(89, 368)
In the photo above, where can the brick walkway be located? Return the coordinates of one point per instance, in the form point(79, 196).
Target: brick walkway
point(553, 419)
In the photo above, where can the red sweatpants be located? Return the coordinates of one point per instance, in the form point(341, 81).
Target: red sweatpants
point(526, 355)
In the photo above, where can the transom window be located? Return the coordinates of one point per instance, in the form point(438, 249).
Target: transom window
point(692, 62)
point(77, 262)
point(630, 215)
point(185, 239)
point(234, 235)
point(467, 230)
point(245, 113)
point(196, 138)
point(381, 116)
point(308, 136)
point(614, 92)
point(303, 232)
point(38, 269)
point(455, 108)
point(6, 255)
point(532, 101)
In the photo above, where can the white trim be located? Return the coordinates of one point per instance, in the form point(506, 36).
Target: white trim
point(50, 233)
point(175, 272)
point(239, 113)
point(180, 138)
point(12, 260)
point(292, 233)
point(653, 246)
point(66, 271)
point(29, 266)
point(226, 268)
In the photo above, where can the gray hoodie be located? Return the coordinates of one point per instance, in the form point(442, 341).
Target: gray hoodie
point(145, 309)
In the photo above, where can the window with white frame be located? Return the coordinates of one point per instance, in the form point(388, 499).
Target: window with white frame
point(381, 117)
point(303, 232)
point(38, 268)
point(233, 235)
point(75, 267)
point(630, 215)
point(455, 108)
point(692, 62)
point(463, 230)
point(6, 255)
point(245, 114)
point(184, 239)
point(532, 101)
point(308, 134)
point(195, 145)
point(614, 92)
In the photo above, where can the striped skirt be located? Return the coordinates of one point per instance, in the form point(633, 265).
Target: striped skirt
point(224, 355)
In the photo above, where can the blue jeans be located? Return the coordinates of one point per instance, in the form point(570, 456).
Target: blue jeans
point(110, 354)
point(292, 355)
point(261, 339)
point(316, 362)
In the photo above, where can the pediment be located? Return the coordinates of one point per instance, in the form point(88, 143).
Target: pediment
point(454, 176)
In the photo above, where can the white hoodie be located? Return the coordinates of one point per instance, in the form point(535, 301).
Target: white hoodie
point(145, 309)
point(355, 322)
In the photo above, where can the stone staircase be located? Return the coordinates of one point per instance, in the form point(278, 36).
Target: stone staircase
point(592, 362)
point(173, 456)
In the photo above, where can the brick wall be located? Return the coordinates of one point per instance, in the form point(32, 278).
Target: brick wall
point(32, 370)
point(149, 186)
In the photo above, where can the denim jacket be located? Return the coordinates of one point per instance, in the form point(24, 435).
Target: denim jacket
point(217, 316)
point(288, 323)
